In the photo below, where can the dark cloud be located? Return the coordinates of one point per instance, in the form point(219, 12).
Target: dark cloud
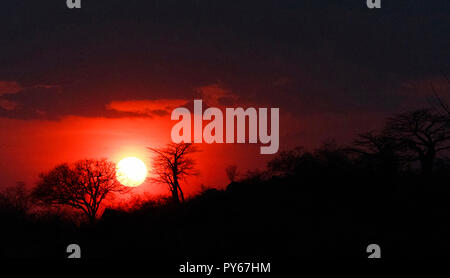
point(303, 56)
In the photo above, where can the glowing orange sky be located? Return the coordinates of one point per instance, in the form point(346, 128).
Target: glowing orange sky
point(36, 146)
point(32, 146)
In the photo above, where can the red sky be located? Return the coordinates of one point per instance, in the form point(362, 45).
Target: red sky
point(102, 81)
point(36, 146)
point(33, 146)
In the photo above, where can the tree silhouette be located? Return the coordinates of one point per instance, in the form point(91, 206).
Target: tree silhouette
point(232, 172)
point(16, 198)
point(422, 132)
point(83, 185)
point(438, 103)
point(380, 150)
point(287, 162)
point(173, 164)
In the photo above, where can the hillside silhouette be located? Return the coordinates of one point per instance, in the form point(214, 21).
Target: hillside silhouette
point(330, 202)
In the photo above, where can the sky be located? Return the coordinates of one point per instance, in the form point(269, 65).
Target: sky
point(101, 81)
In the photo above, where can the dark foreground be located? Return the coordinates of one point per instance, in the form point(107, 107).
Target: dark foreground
point(276, 218)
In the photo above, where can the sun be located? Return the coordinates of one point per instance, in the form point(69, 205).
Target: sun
point(131, 171)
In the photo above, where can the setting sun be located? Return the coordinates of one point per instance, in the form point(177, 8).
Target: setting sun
point(131, 171)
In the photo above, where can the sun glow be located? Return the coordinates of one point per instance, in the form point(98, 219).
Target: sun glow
point(131, 171)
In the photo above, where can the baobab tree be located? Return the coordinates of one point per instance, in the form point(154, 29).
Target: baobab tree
point(381, 150)
point(172, 164)
point(424, 133)
point(83, 185)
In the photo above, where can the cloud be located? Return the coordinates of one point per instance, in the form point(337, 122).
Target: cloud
point(54, 102)
point(215, 95)
point(158, 107)
point(8, 105)
point(9, 87)
point(425, 87)
point(10, 92)
point(33, 102)
point(303, 64)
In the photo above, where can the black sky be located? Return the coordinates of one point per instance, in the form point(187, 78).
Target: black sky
point(305, 57)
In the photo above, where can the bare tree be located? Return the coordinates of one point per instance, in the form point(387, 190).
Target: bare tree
point(172, 164)
point(438, 103)
point(82, 185)
point(232, 172)
point(380, 148)
point(371, 143)
point(422, 132)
